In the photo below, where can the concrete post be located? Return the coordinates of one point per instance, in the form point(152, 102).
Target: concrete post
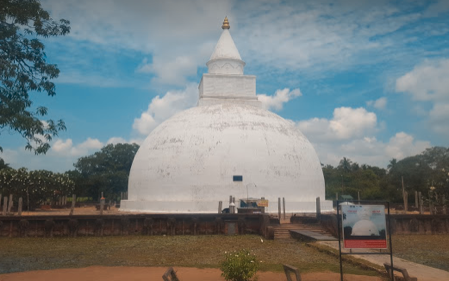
point(416, 200)
point(283, 206)
point(279, 208)
point(358, 196)
point(19, 210)
point(220, 206)
point(318, 207)
point(10, 203)
point(420, 203)
point(73, 204)
point(5, 205)
point(101, 206)
point(336, 196)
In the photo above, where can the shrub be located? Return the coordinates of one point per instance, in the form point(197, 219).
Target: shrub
point(239, 266)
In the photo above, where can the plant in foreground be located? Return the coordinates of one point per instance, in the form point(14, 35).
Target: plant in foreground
point(239, 266)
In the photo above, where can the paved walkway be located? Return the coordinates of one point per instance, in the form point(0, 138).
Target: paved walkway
point(422, 272)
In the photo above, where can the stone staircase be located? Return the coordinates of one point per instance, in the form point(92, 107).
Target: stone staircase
point(282, 231)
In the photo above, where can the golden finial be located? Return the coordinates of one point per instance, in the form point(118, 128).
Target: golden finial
point(225, 24)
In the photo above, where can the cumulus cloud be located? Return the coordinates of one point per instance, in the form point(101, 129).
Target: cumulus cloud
point(426, 82)
point(370, 150)
point(116, 140)
point(162, 108)
point(346, 123)
point(429, 82)
point(380, 103)
point(66, 147)
point(402, 145)
point(351, 133)
point(280, 97)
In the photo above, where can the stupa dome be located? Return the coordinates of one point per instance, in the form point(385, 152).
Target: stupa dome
point(190, 162)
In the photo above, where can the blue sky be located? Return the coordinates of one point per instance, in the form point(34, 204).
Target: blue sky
point(368, 80)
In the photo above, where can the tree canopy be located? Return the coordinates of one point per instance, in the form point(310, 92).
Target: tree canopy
point(427, 172)
point(105, 171)
point(24, 69)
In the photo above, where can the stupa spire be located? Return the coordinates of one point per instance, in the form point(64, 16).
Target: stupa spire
point(226, 24)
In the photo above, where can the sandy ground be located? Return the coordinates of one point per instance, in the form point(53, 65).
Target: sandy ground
point(99, 273)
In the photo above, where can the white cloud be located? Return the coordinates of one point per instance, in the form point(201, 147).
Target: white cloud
point(346, 123)
point(179, 35)
point(351, 133)
point(403, 145)
point(61, 145)
point(371, 151)
point(66, 147)
point(429, 82)
point(380, 103)
point(163, 108)
point(426, 82)
point(173, 72)
point(280, 97)
point(116, 140)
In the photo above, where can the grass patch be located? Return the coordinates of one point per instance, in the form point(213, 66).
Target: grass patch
point(430, 250)
point(24, 254)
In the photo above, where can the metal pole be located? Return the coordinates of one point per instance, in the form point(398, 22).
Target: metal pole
point(391, 247)
point(339, 239)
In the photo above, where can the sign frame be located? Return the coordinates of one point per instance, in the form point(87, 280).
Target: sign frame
point(386, 205)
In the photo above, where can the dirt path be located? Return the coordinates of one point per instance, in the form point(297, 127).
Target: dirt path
point(99, 273)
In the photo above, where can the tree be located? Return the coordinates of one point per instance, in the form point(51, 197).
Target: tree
point(392, 164)
point(35, 187)
point(3, 165)
point(24, 70)
point(345, 164)
point(105, 171)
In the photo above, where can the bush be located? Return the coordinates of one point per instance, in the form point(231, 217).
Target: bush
point(239, 266)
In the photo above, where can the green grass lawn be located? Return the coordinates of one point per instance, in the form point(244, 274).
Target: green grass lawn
point(430, 250)
point(23, 254)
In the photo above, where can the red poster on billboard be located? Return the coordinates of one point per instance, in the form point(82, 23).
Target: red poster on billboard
point(364, 226)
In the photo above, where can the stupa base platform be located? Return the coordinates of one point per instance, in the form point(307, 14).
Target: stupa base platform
point(212, 206)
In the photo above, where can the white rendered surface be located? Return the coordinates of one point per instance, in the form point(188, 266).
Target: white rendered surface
point(225, 48)
point(188, 162)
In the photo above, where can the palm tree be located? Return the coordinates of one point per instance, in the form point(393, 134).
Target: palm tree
point(345, 164)
point(392, 164)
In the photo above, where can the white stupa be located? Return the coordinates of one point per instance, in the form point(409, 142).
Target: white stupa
point(195, 159)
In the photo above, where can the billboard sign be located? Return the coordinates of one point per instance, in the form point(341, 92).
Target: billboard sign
point(262, 203)
point(364, 226)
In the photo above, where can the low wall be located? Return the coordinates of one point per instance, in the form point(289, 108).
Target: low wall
point(401, 224)
point(140, 224)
